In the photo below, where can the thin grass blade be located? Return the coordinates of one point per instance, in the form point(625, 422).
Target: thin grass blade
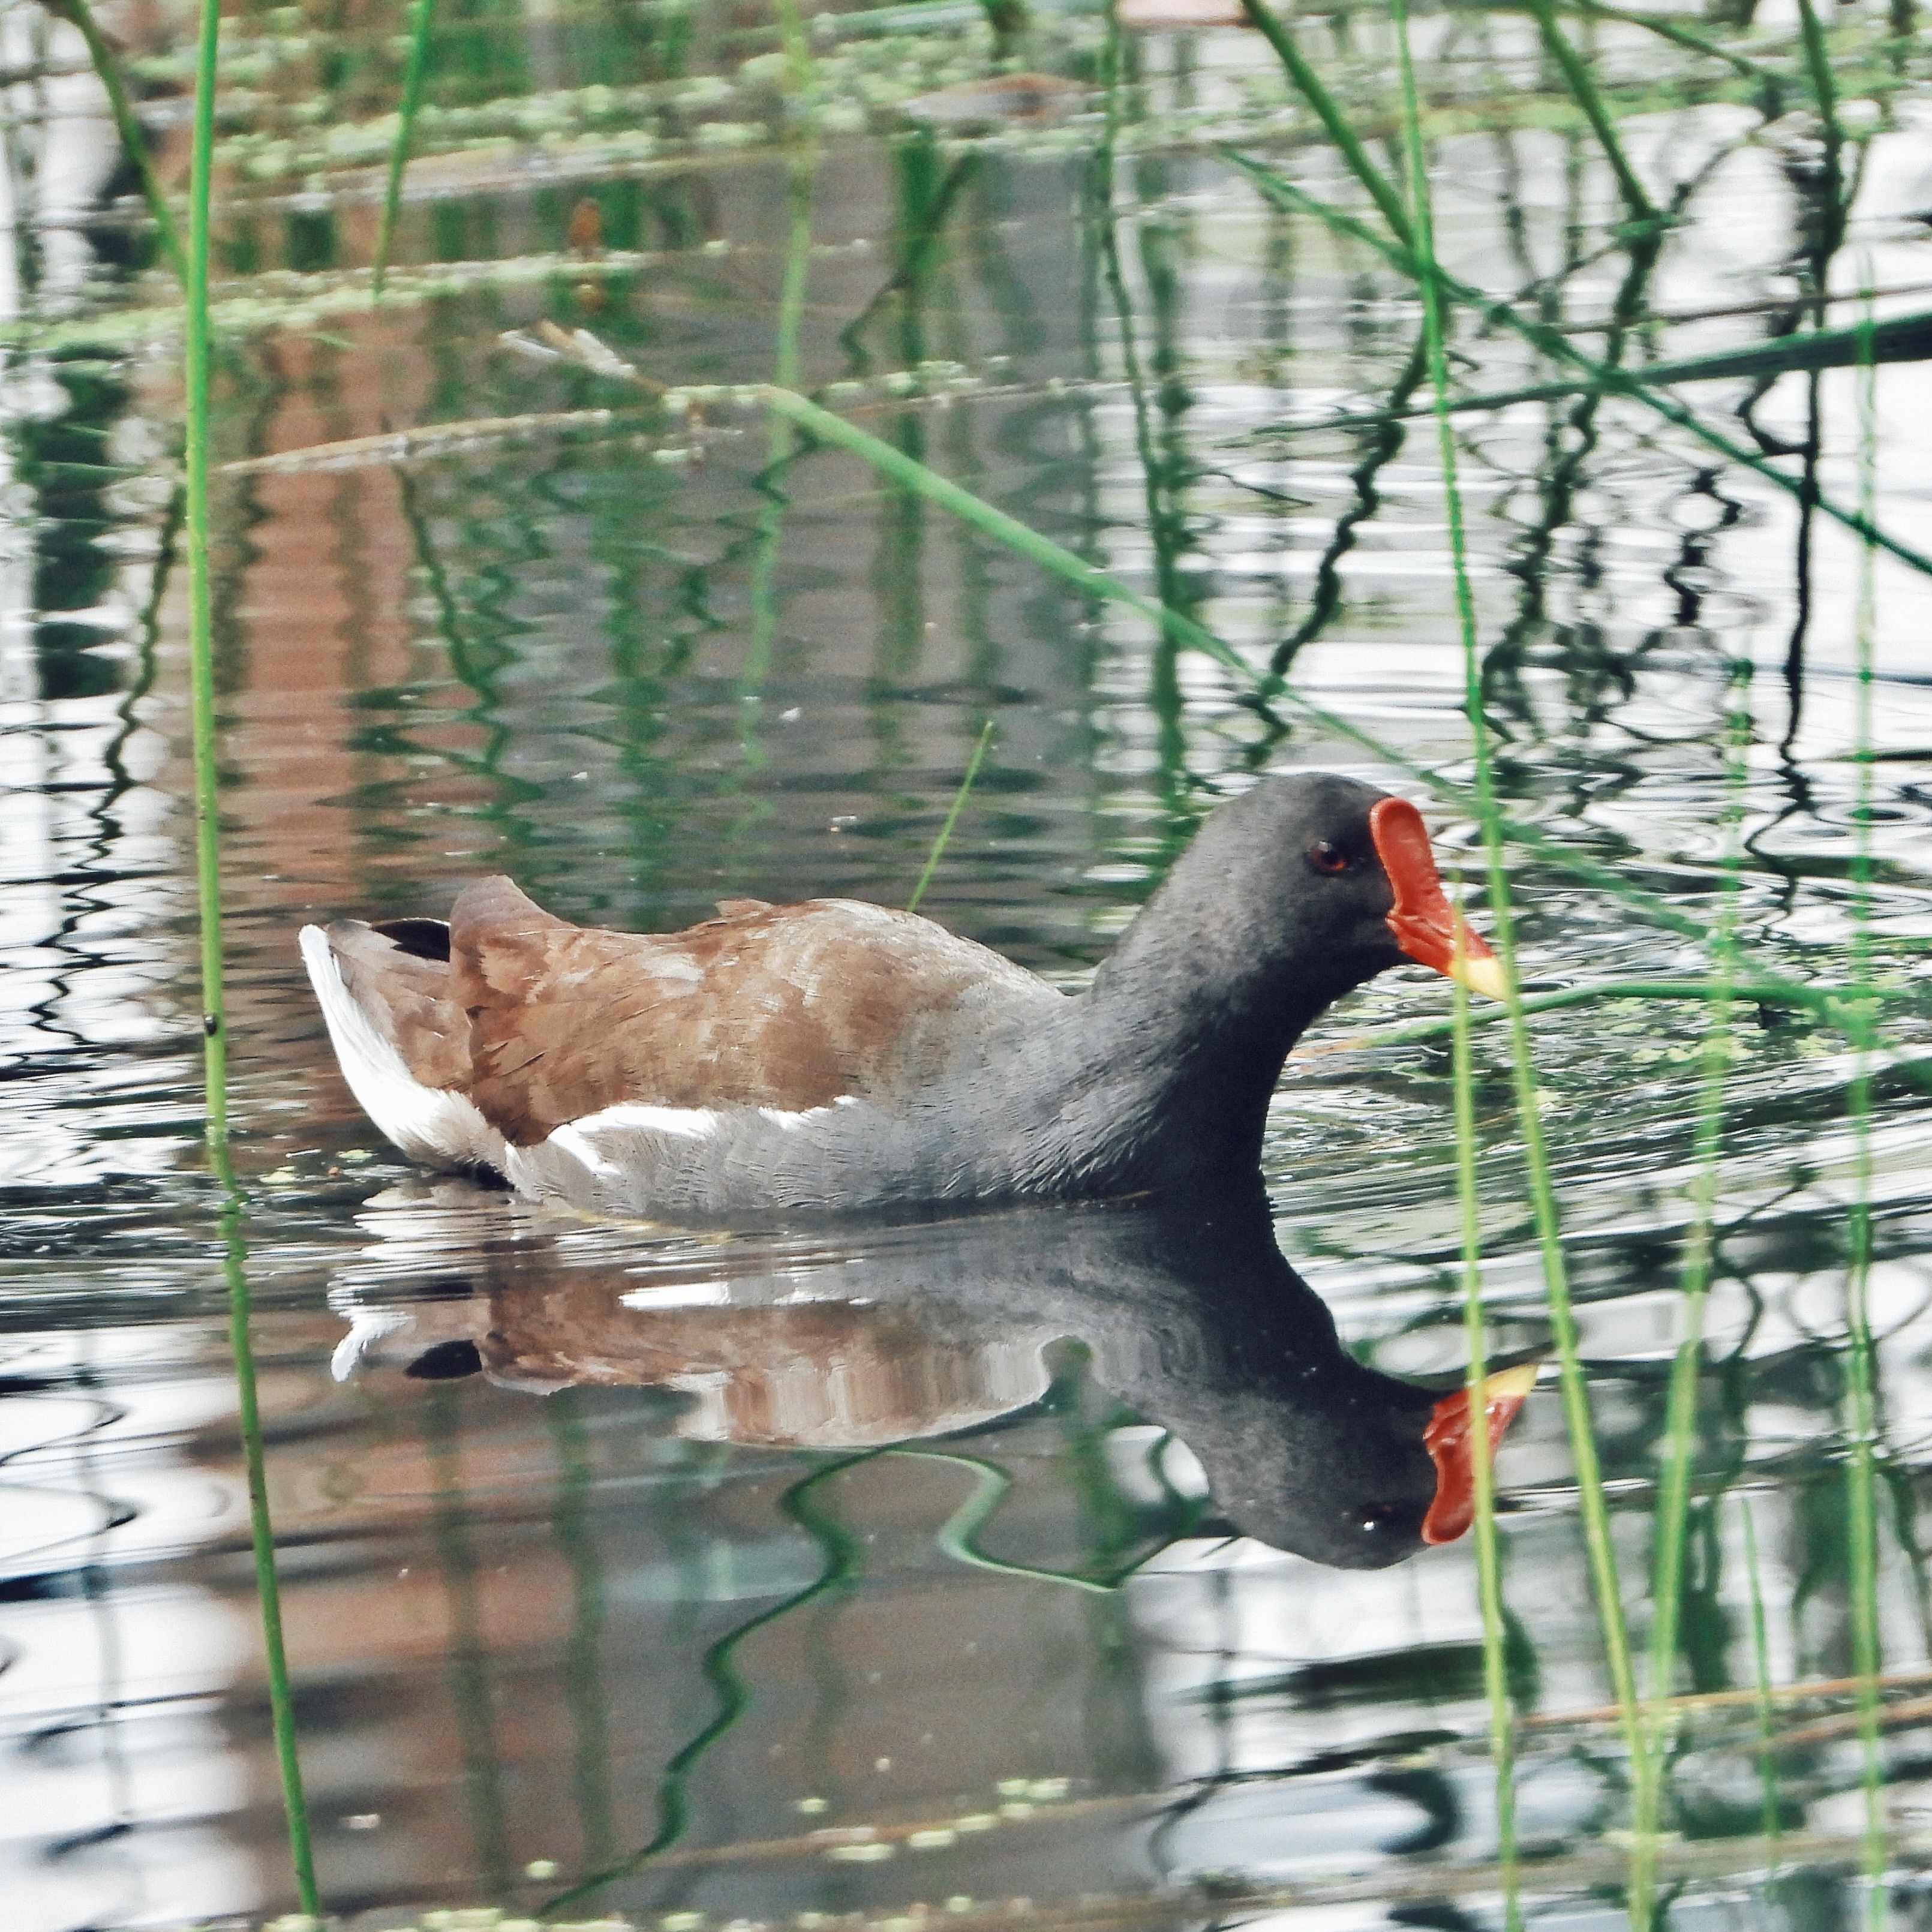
point(1666, 28)
point(1328, 112)
point(1902, 338)
point(1818, 64)
point(127, 125)
point(1670, 1531)
point(1489, 1552)
point(801, 70)
point(959, 798)
point(1577, 76)
point(421, 27)
point(1861, 1364)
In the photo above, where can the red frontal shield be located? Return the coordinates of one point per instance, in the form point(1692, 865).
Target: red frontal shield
point(1425, 926)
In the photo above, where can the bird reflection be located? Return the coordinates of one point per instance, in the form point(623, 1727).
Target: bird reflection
point(1191, 1316)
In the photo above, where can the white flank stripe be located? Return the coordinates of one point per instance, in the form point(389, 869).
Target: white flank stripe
point(567, 1140)
point(684, 1124)
point(791, 1123)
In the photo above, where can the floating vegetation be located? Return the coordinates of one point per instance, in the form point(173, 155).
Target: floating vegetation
point(289, 301)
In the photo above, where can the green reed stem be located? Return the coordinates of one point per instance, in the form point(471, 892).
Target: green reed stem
point(422, 23)
point(127, 125)
point(1861, 1509)
point(1489, 1552)
point(197, 372)
point(1577, 76)
point(1818, 65)
point(1694, 1268)
point(1623, 382)
point(1666, 28)
point(1824, 92)
point(201, 609)
point(801, 70)
point(959, 798)
point(1543, 1197)
point(1767, 1761)
point(1328, 112)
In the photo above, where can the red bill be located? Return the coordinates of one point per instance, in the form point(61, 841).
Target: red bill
point(1447, 1439)
point(1426, 925)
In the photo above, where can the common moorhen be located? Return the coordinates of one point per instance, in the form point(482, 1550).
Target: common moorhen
point(836, 1055)
point(1190, 1313)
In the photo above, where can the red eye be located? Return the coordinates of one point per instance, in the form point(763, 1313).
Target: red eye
point(1327, 858)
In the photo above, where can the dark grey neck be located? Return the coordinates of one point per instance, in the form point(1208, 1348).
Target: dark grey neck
point(1159, 1077)
point(1161, 1074)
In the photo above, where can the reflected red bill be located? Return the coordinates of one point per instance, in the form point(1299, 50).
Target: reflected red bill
point(1447, 1439)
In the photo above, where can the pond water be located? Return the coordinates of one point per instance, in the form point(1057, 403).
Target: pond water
point(905, 1573)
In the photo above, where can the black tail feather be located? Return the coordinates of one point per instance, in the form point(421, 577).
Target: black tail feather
point(420, 938)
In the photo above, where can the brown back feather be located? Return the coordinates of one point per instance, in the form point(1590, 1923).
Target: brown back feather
point(788, 1006)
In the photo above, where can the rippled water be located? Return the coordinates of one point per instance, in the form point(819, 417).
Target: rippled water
point(900, 1566)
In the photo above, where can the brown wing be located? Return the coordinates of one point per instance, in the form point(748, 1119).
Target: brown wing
point(786, 1006)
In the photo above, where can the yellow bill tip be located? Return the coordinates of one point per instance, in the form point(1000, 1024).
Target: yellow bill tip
point(1507, 1383)
point(1483, 976)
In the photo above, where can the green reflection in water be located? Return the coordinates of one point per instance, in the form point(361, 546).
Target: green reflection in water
point(844, 1552)
point(471, 1693)
point(1772, 1811)
point(1862, 1366)
point(585, 1691)
point(1123, 1528)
